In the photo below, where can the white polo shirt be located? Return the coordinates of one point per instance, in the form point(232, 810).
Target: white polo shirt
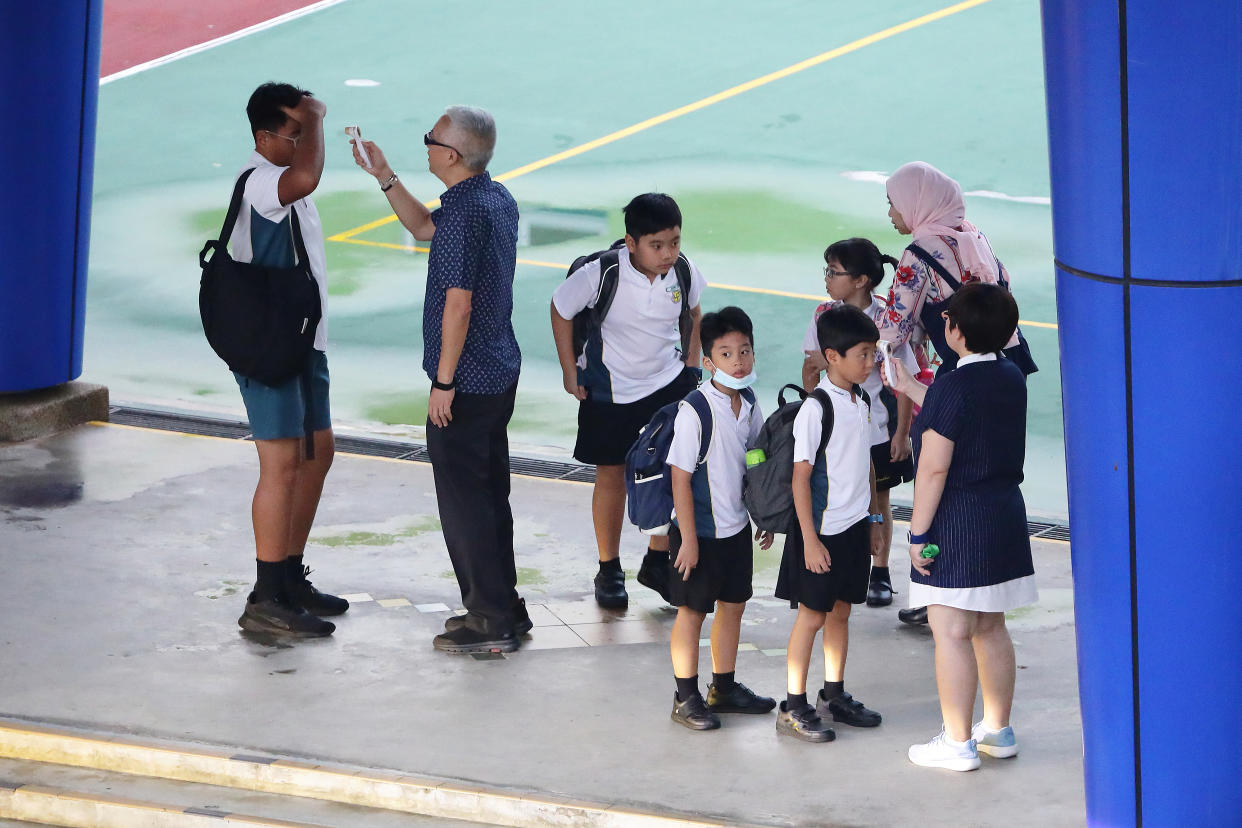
point(717, 484)
point(875, 383)
point(264, 235)
point(641, 338)
point(841, 479)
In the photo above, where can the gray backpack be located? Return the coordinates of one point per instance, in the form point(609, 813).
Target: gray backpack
point(767, 487)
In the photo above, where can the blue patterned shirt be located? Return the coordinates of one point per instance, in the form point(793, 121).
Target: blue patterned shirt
point(475, 249)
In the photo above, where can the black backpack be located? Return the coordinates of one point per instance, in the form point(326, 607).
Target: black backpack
point(589, 321)
point(260, 320)
point(767, 487)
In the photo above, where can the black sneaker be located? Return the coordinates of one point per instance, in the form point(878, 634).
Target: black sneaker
point(804, 724)
point(694, 713)
point(304, 594)
point(279, 617)
point(610, 589)
point(845, 708)
point(653, 574)
point(879, 594)
point(739, 699)
point(913, 615)
point(466, 639)
point(521, 620)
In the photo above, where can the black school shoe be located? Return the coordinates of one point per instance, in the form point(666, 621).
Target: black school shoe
point(304, 594)
point(610, 589)
point(739, 699)
point(879, 594)
point(847, 709)
point(466, 639)
point(913, 616)
point(653, 573)
point(521, 620)
point(694, 713)
point(804, 724)
point(282, 618)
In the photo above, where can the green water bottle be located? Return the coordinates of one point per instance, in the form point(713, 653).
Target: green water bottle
point(930, 551)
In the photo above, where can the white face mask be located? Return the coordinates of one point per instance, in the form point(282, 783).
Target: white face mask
point(730, 381)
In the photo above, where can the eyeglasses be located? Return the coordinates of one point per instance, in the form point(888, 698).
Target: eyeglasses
point(291, 139)
point(432, 142)
point(829, 273)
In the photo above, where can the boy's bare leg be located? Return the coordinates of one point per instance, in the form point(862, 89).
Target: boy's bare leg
point(608, 510)
point(836, 641)
point(885, 504)
point(683, 644)
point(272, 508)
point(994, 655)
point(806, 624)
point(957, 675)
point(726, 631)
point(308, 486)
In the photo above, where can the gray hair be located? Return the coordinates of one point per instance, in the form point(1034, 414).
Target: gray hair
point(475, 133)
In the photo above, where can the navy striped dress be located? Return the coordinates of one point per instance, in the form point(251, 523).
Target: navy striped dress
point(980, 525)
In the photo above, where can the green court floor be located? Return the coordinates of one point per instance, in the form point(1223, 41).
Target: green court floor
point(766, 176)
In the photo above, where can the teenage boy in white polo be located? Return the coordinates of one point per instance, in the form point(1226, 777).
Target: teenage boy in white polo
point(287, 124)
point(633, 368)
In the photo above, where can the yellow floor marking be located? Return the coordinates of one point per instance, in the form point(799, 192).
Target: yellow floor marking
point(701, 104)
point(719, 285)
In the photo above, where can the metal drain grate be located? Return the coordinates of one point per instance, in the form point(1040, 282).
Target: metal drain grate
point(394, 449)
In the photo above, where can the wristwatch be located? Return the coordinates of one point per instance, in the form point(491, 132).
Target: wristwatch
point(876, 518)
point(923, 538)
point(444, 386)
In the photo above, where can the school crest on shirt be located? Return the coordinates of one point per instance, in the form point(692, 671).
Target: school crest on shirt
point(674, 293)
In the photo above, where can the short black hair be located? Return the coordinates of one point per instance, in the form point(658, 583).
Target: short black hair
point(264, 108)
point(724, 321)
point(650, 213)
point(985, 314)
point(860, 257)
point(843, 326)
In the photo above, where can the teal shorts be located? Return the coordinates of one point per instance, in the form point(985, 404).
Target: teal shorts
point(289, 409)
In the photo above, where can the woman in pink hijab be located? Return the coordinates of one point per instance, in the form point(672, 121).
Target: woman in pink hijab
point(946, 253)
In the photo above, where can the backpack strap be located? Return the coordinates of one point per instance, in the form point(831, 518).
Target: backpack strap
point(685, 323)
point(829, 417)
point(859, 391)
point(931, 262)
point(698, 401)
point(230, 221)
point(780, 395)
point(609, 271)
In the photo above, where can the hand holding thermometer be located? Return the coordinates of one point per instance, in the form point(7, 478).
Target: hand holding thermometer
point(356, 134)
point(890, 370)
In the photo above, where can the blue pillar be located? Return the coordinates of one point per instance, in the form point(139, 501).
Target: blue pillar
point(1145, 129)
point(49, 62)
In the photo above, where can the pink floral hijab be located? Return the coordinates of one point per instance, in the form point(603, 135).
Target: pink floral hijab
point(931, 204)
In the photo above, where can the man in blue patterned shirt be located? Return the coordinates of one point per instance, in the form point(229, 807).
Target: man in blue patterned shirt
point(471, 355)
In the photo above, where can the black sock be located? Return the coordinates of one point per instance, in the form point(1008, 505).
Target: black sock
point(880, 573)
point(270, 583)
point(610, 566)
point(687, 687)
point(832, 689)
point(294, 574)
point(657, 553)
point(723, 682)
point(795, 701)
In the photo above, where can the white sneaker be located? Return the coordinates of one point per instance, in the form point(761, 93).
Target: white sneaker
point(938, 753)
point(999, 743)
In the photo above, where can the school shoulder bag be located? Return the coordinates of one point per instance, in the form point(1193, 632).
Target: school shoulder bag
point(260, 320)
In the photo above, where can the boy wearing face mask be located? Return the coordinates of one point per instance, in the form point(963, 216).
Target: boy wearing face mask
point(709, 542)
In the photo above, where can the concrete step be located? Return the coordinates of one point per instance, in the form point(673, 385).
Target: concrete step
point(48, 794)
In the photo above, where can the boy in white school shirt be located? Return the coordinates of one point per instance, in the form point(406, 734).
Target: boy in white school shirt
point(827, 556)
point(631, 367)
point(709, 541)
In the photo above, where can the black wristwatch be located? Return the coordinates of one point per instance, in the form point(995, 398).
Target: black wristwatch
point(444, 386)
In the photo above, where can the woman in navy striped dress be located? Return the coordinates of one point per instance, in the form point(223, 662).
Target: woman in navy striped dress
point(969, 446)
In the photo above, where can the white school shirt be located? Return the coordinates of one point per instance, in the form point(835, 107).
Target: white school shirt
point(641, 337)
point(272, 234)
point(874, 383)
point(841, 484)
point(718, 509)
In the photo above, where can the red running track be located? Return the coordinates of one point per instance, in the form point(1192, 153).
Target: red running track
point(136, 31)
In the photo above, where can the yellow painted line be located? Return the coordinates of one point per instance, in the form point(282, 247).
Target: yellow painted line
point(703, 103)
point(719, 285)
